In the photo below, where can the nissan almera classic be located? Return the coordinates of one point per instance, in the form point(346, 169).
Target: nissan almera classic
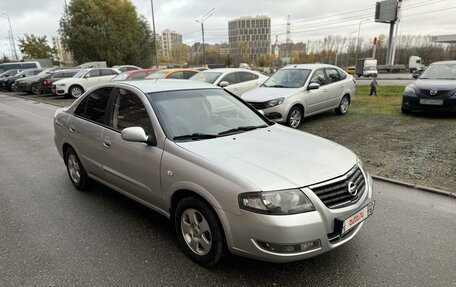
point(229, 179)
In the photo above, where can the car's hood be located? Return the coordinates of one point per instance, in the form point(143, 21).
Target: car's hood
point(275, 158)
point(263, 94)
point(429, 84)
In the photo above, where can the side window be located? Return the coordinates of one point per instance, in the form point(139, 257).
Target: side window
point(189, 74)
point(58, 76)
point(230, 78)
point(36, 72)
point(129, 111)
point(333, 75)
point(69, 74)
point(94, 73)
point(139, 75)
point(245, 76)
point(131, 68)
point(342, 74)
point(319, 77)
point(176, 75)
point(106, 72)
point(93, 107)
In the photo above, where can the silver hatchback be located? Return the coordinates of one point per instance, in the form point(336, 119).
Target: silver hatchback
point(299, 91)
point(228, 178)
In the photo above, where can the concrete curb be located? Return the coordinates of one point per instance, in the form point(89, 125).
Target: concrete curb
point(415, 186)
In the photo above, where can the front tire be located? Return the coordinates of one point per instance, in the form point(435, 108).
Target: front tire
point(76, 171)
point(344, 104)
point(406, 111)
point(75, 91)
point(35, 90)
point(199, 232)
point(295, 117)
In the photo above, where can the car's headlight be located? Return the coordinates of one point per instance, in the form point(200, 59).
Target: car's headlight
point(281, 202)
point(409, 91)
point(62, 85)
point(275, 102)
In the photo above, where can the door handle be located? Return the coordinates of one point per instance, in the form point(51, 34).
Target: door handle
point(107, 143)
point(325, 90)
point(342, 86)
point(72, 128)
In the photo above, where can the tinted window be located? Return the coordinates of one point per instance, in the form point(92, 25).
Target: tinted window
point(106, 72)
point(230, 78)
point(131, 68)
point(176, 75)
point(245, 76)
point(342, 75)
point(129, 111)
point(333, 75)
point(319, 77)
point(94, 73)
point(189, 74)
point(58, 76)
point(70, 74)
point(139, 75)
point(93, 107)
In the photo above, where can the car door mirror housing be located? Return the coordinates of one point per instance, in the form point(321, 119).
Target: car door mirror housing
point(224, 84)
point(313, 86)
point(134, 134)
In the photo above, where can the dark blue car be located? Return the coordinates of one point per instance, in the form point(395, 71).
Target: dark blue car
point(433, 91)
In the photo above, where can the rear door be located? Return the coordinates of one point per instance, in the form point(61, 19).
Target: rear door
point(247, 82)
point(335, 87)
point(86, 128)
point(133, 167)
point(232, 79)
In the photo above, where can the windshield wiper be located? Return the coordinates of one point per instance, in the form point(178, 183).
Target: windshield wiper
point(241, 129)
point(195, 136)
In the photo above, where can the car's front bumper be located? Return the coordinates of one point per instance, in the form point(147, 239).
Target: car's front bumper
point(250, 231)
point(59, 90)
point(412, 103)
point(276, 114)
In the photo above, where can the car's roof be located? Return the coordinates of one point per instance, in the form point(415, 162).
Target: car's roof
point(140, 70)
point(444, 63)
point(180, 70)
point(309, 66)
point(163, 85)
point(224, 70)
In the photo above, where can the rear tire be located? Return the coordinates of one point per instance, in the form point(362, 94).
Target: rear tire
point(199, 231)
point(295, 117)
point(344, 104)
point(35, 90)
point(76, 171)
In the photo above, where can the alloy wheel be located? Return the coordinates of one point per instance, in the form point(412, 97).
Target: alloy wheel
point(196, 231)
point(74, 168)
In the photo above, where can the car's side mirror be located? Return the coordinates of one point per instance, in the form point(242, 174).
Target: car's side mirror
point(224, 84)
point(415, 76)
point(313, 86)
point(137, 134)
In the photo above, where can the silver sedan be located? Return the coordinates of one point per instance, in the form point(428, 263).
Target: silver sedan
point(229, 179)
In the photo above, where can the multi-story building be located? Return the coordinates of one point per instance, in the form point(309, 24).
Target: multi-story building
point(169, 39)
point(249, 37)
point(64, 57)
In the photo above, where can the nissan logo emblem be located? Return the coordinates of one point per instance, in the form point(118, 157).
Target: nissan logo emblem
point(433, 92)
point(352, 188)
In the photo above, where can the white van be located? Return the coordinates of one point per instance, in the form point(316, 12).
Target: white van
point(19, 66)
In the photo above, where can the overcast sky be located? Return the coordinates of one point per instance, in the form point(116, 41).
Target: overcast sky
point(310, 19)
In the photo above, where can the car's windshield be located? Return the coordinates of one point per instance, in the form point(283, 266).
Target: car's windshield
point(9, 73)
point(203, 114)
point(288, 78)
point(207, 77)
point(80, 74)
point(120, 77)
point(157, 75)
point(440, 71)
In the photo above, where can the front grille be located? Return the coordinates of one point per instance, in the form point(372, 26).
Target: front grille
point(335, 194)
point(439, 93)
point(258, 106)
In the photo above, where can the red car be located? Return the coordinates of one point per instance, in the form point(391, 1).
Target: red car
point(134, 75)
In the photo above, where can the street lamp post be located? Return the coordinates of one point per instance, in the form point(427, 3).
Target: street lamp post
point(357, 39)
point(12, 36)
point(349, 43)
point(204, 18)
point(155, 37)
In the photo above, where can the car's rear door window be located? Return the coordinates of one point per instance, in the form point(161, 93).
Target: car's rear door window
point(139, 75)
point(93, 107)
point(333, 75)
point(230, 78)
point(319, 77)
point(246, 76)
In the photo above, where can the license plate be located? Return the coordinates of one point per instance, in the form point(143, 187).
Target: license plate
point(433, 102)
point(358, 217)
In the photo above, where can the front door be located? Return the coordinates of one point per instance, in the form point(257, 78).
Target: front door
point(132, 167)
point(317, 100)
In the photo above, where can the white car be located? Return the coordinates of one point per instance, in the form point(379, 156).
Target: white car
point(82, 81)
point(236, 81)
point(299, 91)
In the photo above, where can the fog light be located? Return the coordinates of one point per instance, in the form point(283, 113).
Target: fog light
point(295, 248)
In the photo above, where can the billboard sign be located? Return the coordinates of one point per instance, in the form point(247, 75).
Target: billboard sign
point(386, 11)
